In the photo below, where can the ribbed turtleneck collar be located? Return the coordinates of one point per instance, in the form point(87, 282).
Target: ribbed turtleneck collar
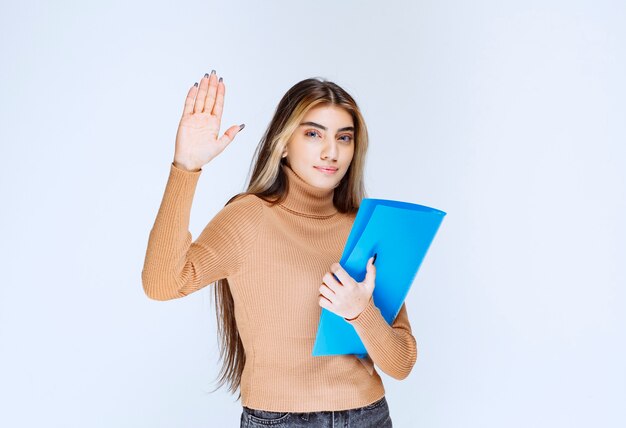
point(306, 199)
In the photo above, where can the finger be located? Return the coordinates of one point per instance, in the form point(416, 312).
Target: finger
point(229, 135)
point(328, 289)
point(370, 275)
point(341, 273)
point(324, 302)
point(331, 282)
point(371, 267)
point(326, 292)
point(211, 92)
point(189, 100)
point(204, 85)
point(219, 101)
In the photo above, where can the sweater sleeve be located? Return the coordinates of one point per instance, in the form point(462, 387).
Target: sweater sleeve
point(174, 266)
point(391, 347)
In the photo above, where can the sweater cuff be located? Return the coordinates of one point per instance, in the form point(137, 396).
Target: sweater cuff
point(180, 187)
point(181, 178)
point(184, 170)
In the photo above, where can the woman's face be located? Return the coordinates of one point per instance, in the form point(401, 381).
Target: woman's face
point(324, 138)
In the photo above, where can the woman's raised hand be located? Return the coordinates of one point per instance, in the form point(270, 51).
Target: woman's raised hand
point(197, 139)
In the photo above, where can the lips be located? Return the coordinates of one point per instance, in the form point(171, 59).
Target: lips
point(324, 168)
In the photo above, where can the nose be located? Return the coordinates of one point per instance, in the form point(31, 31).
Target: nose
point(329, 150)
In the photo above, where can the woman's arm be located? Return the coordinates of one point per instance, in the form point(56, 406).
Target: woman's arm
point(175, 266)
point(391, 347)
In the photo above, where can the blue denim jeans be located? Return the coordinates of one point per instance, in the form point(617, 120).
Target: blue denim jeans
point(375, 415)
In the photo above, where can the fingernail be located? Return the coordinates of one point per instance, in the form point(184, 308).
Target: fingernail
point(195, 84)
point(242, 126)
point(206, 74)
point(221, 79)
point(374, 261)
point(212, 71)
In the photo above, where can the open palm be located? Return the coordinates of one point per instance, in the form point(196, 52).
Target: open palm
point(197, 139)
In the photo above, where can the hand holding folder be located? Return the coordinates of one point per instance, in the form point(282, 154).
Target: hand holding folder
point(400, 233)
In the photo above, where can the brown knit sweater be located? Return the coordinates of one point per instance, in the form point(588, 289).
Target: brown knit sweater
point(274, 259)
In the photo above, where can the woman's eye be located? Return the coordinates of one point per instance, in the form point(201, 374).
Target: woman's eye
point(345, 138)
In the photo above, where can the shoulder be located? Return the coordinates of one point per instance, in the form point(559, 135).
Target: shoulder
point(248, 201)
point(243, 207)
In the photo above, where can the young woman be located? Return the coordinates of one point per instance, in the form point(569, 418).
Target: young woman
point(273, 251)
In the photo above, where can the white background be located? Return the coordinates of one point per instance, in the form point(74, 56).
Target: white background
point(509, 116)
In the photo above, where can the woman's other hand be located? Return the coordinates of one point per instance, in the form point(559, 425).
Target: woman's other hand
point(197, 141)
point(347, 297)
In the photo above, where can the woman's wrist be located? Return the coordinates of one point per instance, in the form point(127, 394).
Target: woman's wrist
point(352, 319)
point(185, 168)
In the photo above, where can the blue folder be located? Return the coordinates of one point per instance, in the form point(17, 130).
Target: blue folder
point(400, 233)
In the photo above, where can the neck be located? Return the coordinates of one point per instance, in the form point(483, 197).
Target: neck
point(306, 199)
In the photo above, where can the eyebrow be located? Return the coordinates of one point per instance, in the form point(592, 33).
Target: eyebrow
point(317, 125)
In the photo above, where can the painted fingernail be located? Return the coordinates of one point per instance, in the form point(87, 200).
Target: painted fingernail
point(221, 79)
point(206, 74)
point(374, 261)
point(212, 71)
point(195, 84)
point(242, 126)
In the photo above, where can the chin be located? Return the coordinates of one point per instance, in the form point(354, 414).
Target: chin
point(327, 187)
point(323, 184)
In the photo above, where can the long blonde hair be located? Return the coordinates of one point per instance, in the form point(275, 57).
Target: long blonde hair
point(269, 182)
